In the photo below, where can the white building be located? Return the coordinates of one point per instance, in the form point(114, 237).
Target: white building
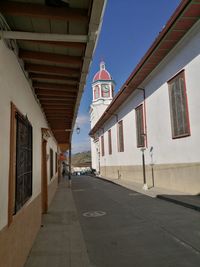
point(157, 110)
point(102, 91)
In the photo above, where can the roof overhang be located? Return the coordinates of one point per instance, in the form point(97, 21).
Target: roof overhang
point(55, 44)
point(183, 19)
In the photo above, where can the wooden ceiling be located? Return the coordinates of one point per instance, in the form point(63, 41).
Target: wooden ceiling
point(56, 40)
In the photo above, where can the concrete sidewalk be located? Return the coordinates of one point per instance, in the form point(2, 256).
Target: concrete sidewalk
point(60, 241)
point(177, 197)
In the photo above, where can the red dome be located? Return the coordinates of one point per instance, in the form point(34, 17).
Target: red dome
point(102, 74)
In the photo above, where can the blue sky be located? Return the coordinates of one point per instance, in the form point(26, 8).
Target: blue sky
point(129, 28)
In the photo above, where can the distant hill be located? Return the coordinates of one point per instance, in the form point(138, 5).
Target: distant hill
point(82, 159)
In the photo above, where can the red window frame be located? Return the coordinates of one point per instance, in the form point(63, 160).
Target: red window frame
point(120, 136)
point(96, 92)
point(107, 94)
point(180, 124)
point(140, 125)
point(109, 142)
point(102, 146)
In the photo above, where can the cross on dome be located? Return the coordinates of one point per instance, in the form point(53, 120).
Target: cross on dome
point(102, 65)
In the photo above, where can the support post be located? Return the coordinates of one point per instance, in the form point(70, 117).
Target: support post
point(70, 165)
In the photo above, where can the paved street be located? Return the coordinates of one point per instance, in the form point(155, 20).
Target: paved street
point(136, 230)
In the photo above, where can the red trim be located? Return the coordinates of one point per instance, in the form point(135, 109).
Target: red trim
point(141, 107)
point(102, 146)
point(96, 92)
point(182, 75)
point(120, 147)
point(109, 142)
point(179, 73)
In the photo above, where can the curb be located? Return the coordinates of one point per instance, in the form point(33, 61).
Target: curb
point(162, 197)
point(107, 181)
point(179, 202)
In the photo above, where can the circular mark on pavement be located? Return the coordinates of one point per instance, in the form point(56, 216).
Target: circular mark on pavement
point(97, 213)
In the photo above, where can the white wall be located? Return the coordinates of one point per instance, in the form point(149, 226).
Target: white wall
point(186, 55)
point(15, 88)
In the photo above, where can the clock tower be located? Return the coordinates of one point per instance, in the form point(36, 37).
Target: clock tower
point(102, 91)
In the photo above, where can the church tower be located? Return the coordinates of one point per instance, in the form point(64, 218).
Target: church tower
point(103, 91)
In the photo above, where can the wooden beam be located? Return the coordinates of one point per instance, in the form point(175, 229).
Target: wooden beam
point(57, 117)
point(58, 112)
point(52, 69)
point(60, 100)
point(65, 103)
point(43, 11)
point(57, 107)
point(58, 93)
point(57, 58)
point(56, 99)
point(57, 37)
point(36, 76)
point(53, 86)
point(75, 45)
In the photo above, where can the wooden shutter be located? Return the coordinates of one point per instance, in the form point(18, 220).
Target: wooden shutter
point(140, 126)
point(102, 146)
point(120, 136)
point(109, 142)
point(178, 107)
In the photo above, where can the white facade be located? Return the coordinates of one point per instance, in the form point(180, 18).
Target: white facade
point(15, 88)
point(102, 91)
point(176, 161)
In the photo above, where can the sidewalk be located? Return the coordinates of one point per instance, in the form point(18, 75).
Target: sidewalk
point(180, 198)
point(59, 242)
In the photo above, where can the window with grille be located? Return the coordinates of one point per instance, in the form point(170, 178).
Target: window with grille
point(102, 146)
point(120, 137)
point(23, 183)
point(178, 106)
point(109, 142)
point(140, 126)
point(51, 163)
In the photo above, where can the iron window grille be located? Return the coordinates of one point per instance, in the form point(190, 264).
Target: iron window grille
point(51, 163)
point(23, 185)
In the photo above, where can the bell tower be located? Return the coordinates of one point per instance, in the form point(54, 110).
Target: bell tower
point(102, 91)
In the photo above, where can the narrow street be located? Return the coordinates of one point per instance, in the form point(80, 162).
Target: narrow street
point(130, 229)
